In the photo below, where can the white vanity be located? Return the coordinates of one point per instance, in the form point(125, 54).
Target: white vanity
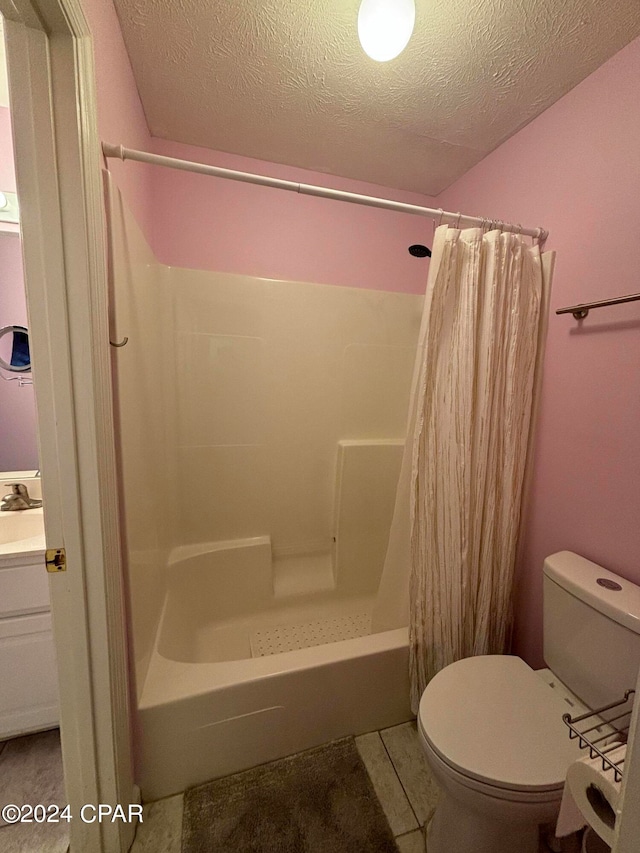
point(28, 683)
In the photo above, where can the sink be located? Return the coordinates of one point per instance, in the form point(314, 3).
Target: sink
point(21, 530)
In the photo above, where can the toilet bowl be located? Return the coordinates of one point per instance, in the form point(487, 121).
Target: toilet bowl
point(493, 735)
point(475, 819)
point(492, 728)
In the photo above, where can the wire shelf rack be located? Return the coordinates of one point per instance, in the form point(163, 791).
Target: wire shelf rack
point(602, 734)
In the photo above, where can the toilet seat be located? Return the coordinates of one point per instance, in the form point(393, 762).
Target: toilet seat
point(493, 720)
point(486, 790)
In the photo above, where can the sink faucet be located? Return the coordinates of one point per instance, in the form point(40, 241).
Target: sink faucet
point(18, 499)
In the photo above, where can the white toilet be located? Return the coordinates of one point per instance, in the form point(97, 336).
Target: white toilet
point(492, 727)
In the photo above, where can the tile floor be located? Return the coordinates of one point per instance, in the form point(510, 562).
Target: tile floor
point(398, 771)
point(31, 771)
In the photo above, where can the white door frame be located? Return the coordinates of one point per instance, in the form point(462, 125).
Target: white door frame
point(628, 819)
point(53, 109)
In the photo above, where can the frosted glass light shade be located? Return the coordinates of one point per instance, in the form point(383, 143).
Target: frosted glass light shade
point(385, 27)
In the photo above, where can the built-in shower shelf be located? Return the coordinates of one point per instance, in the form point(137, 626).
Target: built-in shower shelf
point(304, 635)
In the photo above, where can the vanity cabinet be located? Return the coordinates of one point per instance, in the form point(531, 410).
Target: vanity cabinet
point(28, 676)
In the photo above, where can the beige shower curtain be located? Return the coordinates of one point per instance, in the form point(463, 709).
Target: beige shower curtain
point(453, 541)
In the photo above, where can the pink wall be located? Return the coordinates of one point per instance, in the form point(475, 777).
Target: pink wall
point(207, 223)
point(576, 171)
point(7, 165)
point(215, 224)
point(7, 170)
point(121, 119)
point(18, 442)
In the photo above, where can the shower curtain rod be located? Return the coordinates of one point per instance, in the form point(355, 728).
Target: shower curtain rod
point(121, 153)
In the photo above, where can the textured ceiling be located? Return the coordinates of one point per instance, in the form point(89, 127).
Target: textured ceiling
point(287, 80)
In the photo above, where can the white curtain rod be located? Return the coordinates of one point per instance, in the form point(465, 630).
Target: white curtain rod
point(121, 153)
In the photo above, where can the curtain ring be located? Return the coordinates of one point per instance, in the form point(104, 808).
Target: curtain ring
point(458, 219)
point(542, 237)
point(441, 211)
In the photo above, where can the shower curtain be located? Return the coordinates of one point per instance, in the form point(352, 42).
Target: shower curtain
point(452, 547)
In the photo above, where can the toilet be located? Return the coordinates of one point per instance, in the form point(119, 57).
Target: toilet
point(492, 729)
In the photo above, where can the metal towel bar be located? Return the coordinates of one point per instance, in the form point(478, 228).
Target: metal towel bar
point(581, 311)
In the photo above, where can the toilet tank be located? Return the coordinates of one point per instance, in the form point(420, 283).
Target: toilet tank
point(591, 628)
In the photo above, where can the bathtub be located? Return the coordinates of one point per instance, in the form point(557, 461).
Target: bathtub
point(256, 659)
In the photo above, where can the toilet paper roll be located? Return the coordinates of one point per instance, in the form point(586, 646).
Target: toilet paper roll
point(595, 793)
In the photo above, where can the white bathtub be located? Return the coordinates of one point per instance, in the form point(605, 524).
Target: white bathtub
point(208, 708)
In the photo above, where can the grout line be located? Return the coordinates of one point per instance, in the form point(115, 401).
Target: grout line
point(423, 835)
point(399, 779)
point(162, 799)
point(4, 744)
point(409, 832)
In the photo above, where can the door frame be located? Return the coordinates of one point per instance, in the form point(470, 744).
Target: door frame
point(58, 166)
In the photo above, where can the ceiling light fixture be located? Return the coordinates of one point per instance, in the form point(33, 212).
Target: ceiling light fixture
point(385, 27)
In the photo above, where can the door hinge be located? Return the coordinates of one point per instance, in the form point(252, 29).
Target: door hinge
point(56, 560)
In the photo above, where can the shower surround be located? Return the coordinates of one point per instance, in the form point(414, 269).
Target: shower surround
point(261, 432)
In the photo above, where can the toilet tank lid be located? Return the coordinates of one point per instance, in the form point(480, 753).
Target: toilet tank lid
point(579, 577)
